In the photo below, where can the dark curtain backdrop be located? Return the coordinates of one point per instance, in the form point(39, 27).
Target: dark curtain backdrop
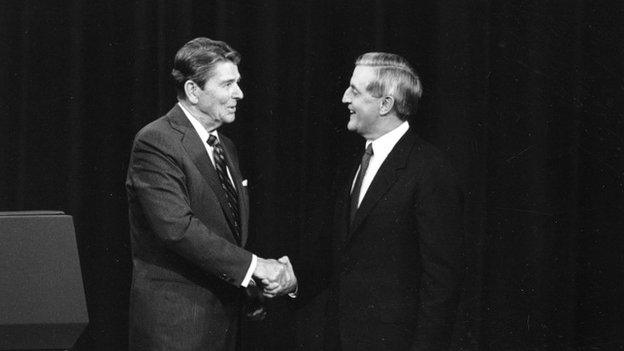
point(525, 97)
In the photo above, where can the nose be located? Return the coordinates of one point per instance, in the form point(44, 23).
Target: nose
point(237, 93)
point(346, 97)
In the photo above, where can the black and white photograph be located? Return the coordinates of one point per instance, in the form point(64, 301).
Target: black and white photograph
point(238, 175)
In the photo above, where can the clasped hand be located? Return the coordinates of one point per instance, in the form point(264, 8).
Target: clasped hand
point(277, 276)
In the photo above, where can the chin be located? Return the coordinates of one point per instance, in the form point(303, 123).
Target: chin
point(351, 127)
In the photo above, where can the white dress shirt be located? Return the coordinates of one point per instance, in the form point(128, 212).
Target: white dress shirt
point(381, 148)
point(203, 135)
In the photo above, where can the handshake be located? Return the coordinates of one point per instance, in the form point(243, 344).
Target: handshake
point(276, 276)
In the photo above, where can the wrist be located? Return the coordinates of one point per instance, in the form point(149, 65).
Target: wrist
point(260, 267)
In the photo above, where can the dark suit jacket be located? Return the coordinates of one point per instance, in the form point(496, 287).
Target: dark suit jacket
point(397, 267)
point(187, 265)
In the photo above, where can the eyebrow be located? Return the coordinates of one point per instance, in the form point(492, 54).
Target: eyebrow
point(233, 80)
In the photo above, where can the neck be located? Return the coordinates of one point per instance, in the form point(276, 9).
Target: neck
point(384, 127)
point(205, 121)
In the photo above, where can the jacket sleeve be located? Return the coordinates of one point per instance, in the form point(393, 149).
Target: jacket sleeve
point(158, 184)
point(439, 212)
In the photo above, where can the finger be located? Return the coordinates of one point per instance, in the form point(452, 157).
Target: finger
point(258, 312)
point(273, 289)
point(271, 286)
point(272, 293)
point(285, 260)
point(257, 315)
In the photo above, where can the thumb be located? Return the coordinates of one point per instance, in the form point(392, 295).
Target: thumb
point(284, 260)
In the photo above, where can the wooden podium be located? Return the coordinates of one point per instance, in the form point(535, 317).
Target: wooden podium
point(42, 300)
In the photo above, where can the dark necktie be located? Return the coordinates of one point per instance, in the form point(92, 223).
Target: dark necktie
point(228, 189)
point(355, 194)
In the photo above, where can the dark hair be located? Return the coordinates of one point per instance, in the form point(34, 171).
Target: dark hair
point(196, 61)
point(395, 77)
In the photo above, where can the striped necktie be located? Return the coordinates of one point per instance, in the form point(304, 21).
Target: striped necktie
point(228, 188)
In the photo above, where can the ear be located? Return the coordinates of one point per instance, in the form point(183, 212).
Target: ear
point(190, 89)
point(387, 103)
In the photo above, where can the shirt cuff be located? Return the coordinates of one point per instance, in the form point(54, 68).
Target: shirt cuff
point(252, 268)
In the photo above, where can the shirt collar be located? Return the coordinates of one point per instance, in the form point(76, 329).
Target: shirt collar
point(203, 133)
point(385, 143)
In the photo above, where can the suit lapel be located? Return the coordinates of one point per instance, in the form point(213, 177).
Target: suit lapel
point(196, 150)
point(343, 203)
point(384, 179)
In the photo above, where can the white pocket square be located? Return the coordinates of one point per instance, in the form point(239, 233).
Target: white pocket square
point(244, 182)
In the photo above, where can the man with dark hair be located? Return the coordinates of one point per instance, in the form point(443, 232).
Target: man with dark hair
point(189, 210)
point(398, 225)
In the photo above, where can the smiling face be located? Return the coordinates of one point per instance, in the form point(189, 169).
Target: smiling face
point(364, 108)
point(215, 103)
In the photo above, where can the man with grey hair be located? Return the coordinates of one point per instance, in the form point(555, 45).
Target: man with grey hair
point(397, 243)
point(189, 209)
